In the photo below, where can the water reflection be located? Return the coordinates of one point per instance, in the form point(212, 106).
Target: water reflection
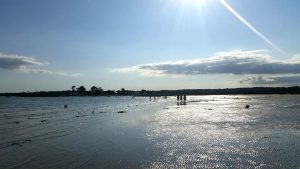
point(218, 132)
point(207, 132)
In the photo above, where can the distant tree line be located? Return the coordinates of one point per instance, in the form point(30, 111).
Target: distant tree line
point(230, 91)
point(98, 91)
point(79, 91)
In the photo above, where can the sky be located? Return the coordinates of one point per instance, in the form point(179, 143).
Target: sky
point(148, 44)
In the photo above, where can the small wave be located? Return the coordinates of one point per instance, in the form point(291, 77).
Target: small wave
point(292, 106)
point(201, 100)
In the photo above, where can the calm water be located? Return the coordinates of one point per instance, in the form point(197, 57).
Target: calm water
point(208, 132)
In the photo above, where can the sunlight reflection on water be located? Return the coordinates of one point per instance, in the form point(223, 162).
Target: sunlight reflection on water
point(218, 132)
point(208, 132)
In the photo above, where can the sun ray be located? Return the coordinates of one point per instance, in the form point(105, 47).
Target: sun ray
point(197, 3)
point(238, 16)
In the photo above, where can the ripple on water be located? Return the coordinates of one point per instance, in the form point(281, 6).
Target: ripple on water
point(229, 136)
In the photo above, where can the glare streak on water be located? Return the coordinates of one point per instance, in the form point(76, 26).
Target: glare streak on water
point(208, 132)
point(218, 132)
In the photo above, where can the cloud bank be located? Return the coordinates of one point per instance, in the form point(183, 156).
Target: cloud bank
point(260, 80)
point(233, 62)
point(27, 64)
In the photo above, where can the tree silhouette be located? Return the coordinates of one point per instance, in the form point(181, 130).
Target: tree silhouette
point(73, 88)
point(121, 92)
point(81, 89)
point(143, 91)
point(100, 89)
point(94, 89)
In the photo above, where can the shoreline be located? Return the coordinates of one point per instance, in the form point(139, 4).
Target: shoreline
point(148, 93)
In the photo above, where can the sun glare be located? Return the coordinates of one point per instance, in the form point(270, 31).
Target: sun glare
point(197, 3)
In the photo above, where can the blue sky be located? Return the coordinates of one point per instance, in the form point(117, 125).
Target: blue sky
point(149, 44)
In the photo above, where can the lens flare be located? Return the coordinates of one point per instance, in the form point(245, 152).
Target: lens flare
point(252, 28)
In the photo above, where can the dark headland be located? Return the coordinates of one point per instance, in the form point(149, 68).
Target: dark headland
point(95, 91)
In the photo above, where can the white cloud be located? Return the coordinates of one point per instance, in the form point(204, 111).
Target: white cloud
point(27, 64)
point(295, 58)
point(17, 62)
point(44, 71)
point(233, 62)
point(272, 80)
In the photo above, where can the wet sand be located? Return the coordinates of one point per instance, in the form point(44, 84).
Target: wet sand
point(208, 132)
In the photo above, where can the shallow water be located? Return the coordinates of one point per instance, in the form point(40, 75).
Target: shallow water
point(208, 132)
